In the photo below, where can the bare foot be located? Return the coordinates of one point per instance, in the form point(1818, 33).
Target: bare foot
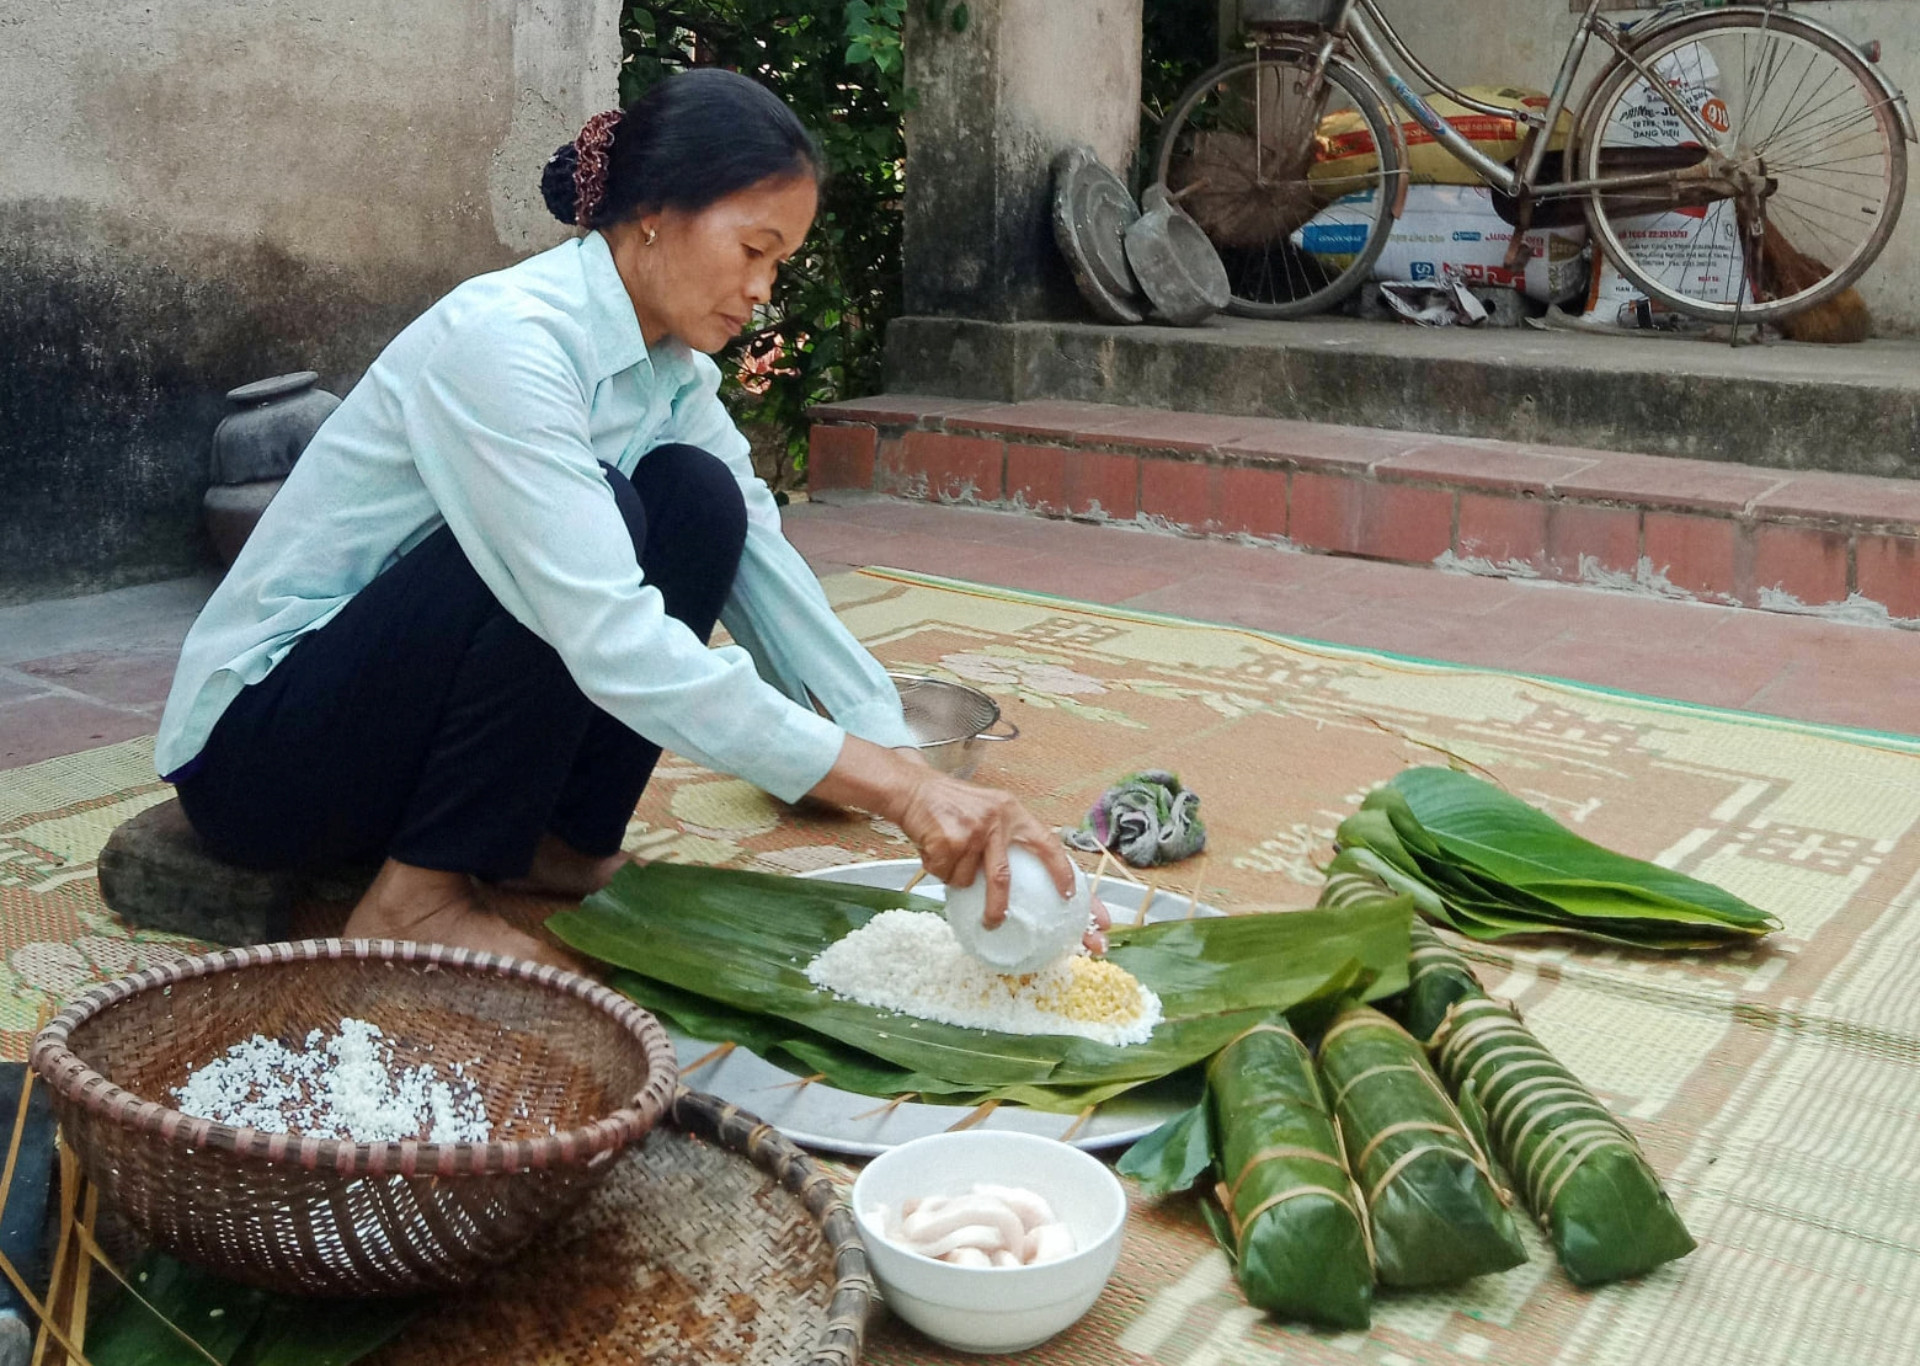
point(561, 870)
point(435, 907)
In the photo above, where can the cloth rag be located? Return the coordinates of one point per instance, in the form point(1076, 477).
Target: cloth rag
point(1146, 818)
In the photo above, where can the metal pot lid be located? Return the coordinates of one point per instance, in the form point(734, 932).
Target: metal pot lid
point(1092, 210)
point(279, 386)
point(1177, 267)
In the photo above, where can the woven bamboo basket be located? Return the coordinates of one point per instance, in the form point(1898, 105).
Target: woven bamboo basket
point(570, 1073)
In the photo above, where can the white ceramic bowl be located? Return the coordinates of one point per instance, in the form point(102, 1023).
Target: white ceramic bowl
point(993, 1309)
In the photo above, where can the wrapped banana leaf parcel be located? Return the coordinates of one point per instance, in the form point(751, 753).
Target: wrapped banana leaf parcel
point(1297, 1228)
point(1437, 975)
point(1579, 1169)
point(1435, 1213)
point(1488, 865)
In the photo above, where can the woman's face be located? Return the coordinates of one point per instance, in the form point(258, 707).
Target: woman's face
point(704, 274)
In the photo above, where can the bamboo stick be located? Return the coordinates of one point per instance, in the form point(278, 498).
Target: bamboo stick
point(801, 1083)
point(914, 881)
point(1140, 917)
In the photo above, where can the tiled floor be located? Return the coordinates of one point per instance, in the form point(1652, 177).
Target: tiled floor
point(90, 671)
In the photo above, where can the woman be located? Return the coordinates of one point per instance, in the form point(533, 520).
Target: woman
point(466, 627)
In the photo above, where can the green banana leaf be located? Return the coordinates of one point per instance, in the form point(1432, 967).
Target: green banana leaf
point(235, 1324)
point(723, 952)
point(1296, 1229)
point(1475, 822)
point(1174, 1156)
point(1436, 1216)
point(1490, 866)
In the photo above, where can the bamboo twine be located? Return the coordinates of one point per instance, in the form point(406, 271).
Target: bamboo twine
point(1193, 900)
point(977, 1115)
point(50, 1330)
point(40, 1311)
point(1078, 1124)
point(1100, 873)
point(889, 1107)
point(83, 1267)
point(707, 1058)
point(801, 1083)
point(98, 1254)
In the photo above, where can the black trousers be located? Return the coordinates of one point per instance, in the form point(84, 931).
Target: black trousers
point(423, 723)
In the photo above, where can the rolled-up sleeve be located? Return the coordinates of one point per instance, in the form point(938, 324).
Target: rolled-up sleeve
point(777, 610)
point(497, 422)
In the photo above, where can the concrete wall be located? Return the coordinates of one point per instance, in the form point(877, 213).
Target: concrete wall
point(997, 102)
point(1481, 41)
point(204, 192)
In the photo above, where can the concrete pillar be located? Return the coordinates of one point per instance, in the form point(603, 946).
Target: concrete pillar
point(997, 100)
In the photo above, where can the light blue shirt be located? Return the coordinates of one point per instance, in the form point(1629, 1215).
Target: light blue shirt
point(491, 414)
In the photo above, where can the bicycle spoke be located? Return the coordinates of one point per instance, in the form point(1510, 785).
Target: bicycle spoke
point(1814, 127)
point(1788, 103)
point(1806, 141)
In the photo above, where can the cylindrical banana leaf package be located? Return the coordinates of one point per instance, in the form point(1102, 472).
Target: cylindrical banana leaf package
point(1579, 1169)
point(1297, 1227)
point(1439, 977)
point(1435, 1214)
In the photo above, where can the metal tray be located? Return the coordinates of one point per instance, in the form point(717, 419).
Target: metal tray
point(830, 1120)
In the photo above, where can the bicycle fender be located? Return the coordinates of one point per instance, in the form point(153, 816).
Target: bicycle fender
point(1661, 22)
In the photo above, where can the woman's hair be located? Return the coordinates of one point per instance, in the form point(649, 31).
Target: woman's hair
point(689, 142)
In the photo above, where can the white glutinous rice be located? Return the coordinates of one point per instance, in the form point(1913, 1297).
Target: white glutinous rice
point(909, 961)
point(345, 1086)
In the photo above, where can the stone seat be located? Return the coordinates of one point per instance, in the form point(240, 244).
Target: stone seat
point(157, 874)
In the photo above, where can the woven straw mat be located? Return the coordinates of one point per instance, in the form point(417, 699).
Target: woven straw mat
point(1775, 1088)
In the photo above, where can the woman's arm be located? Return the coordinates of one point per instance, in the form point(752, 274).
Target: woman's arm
point(777, 609)
point(959, 828)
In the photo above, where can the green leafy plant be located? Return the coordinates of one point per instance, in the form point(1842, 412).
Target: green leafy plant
point(840, 64)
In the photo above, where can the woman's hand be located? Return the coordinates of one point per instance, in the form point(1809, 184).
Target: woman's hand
point(959, 828)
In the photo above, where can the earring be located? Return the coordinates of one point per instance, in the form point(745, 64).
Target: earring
point(651, 234)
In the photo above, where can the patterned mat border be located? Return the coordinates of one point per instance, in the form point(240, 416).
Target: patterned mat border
point(1892, 741)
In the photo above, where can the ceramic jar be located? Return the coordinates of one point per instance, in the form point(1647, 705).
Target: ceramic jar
point(254, 448)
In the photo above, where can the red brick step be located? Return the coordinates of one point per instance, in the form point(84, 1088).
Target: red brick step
point(1740, 534)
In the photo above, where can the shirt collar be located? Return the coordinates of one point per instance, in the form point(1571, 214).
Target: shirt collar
point(610, 318)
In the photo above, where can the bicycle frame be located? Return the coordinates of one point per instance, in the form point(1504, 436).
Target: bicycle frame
point(1386, 52)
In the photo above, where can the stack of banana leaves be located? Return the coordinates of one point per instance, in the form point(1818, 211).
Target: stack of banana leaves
point(1579, 1169)
point(722, 955)
point(1489, 865)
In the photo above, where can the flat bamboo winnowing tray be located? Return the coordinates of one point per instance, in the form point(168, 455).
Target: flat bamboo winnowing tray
point(715, 1241)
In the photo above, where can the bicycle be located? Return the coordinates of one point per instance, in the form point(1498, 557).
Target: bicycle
point(1774, 136)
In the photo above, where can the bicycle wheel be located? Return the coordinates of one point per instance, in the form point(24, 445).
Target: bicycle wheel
point(1805, 185)
point(1246, 153)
